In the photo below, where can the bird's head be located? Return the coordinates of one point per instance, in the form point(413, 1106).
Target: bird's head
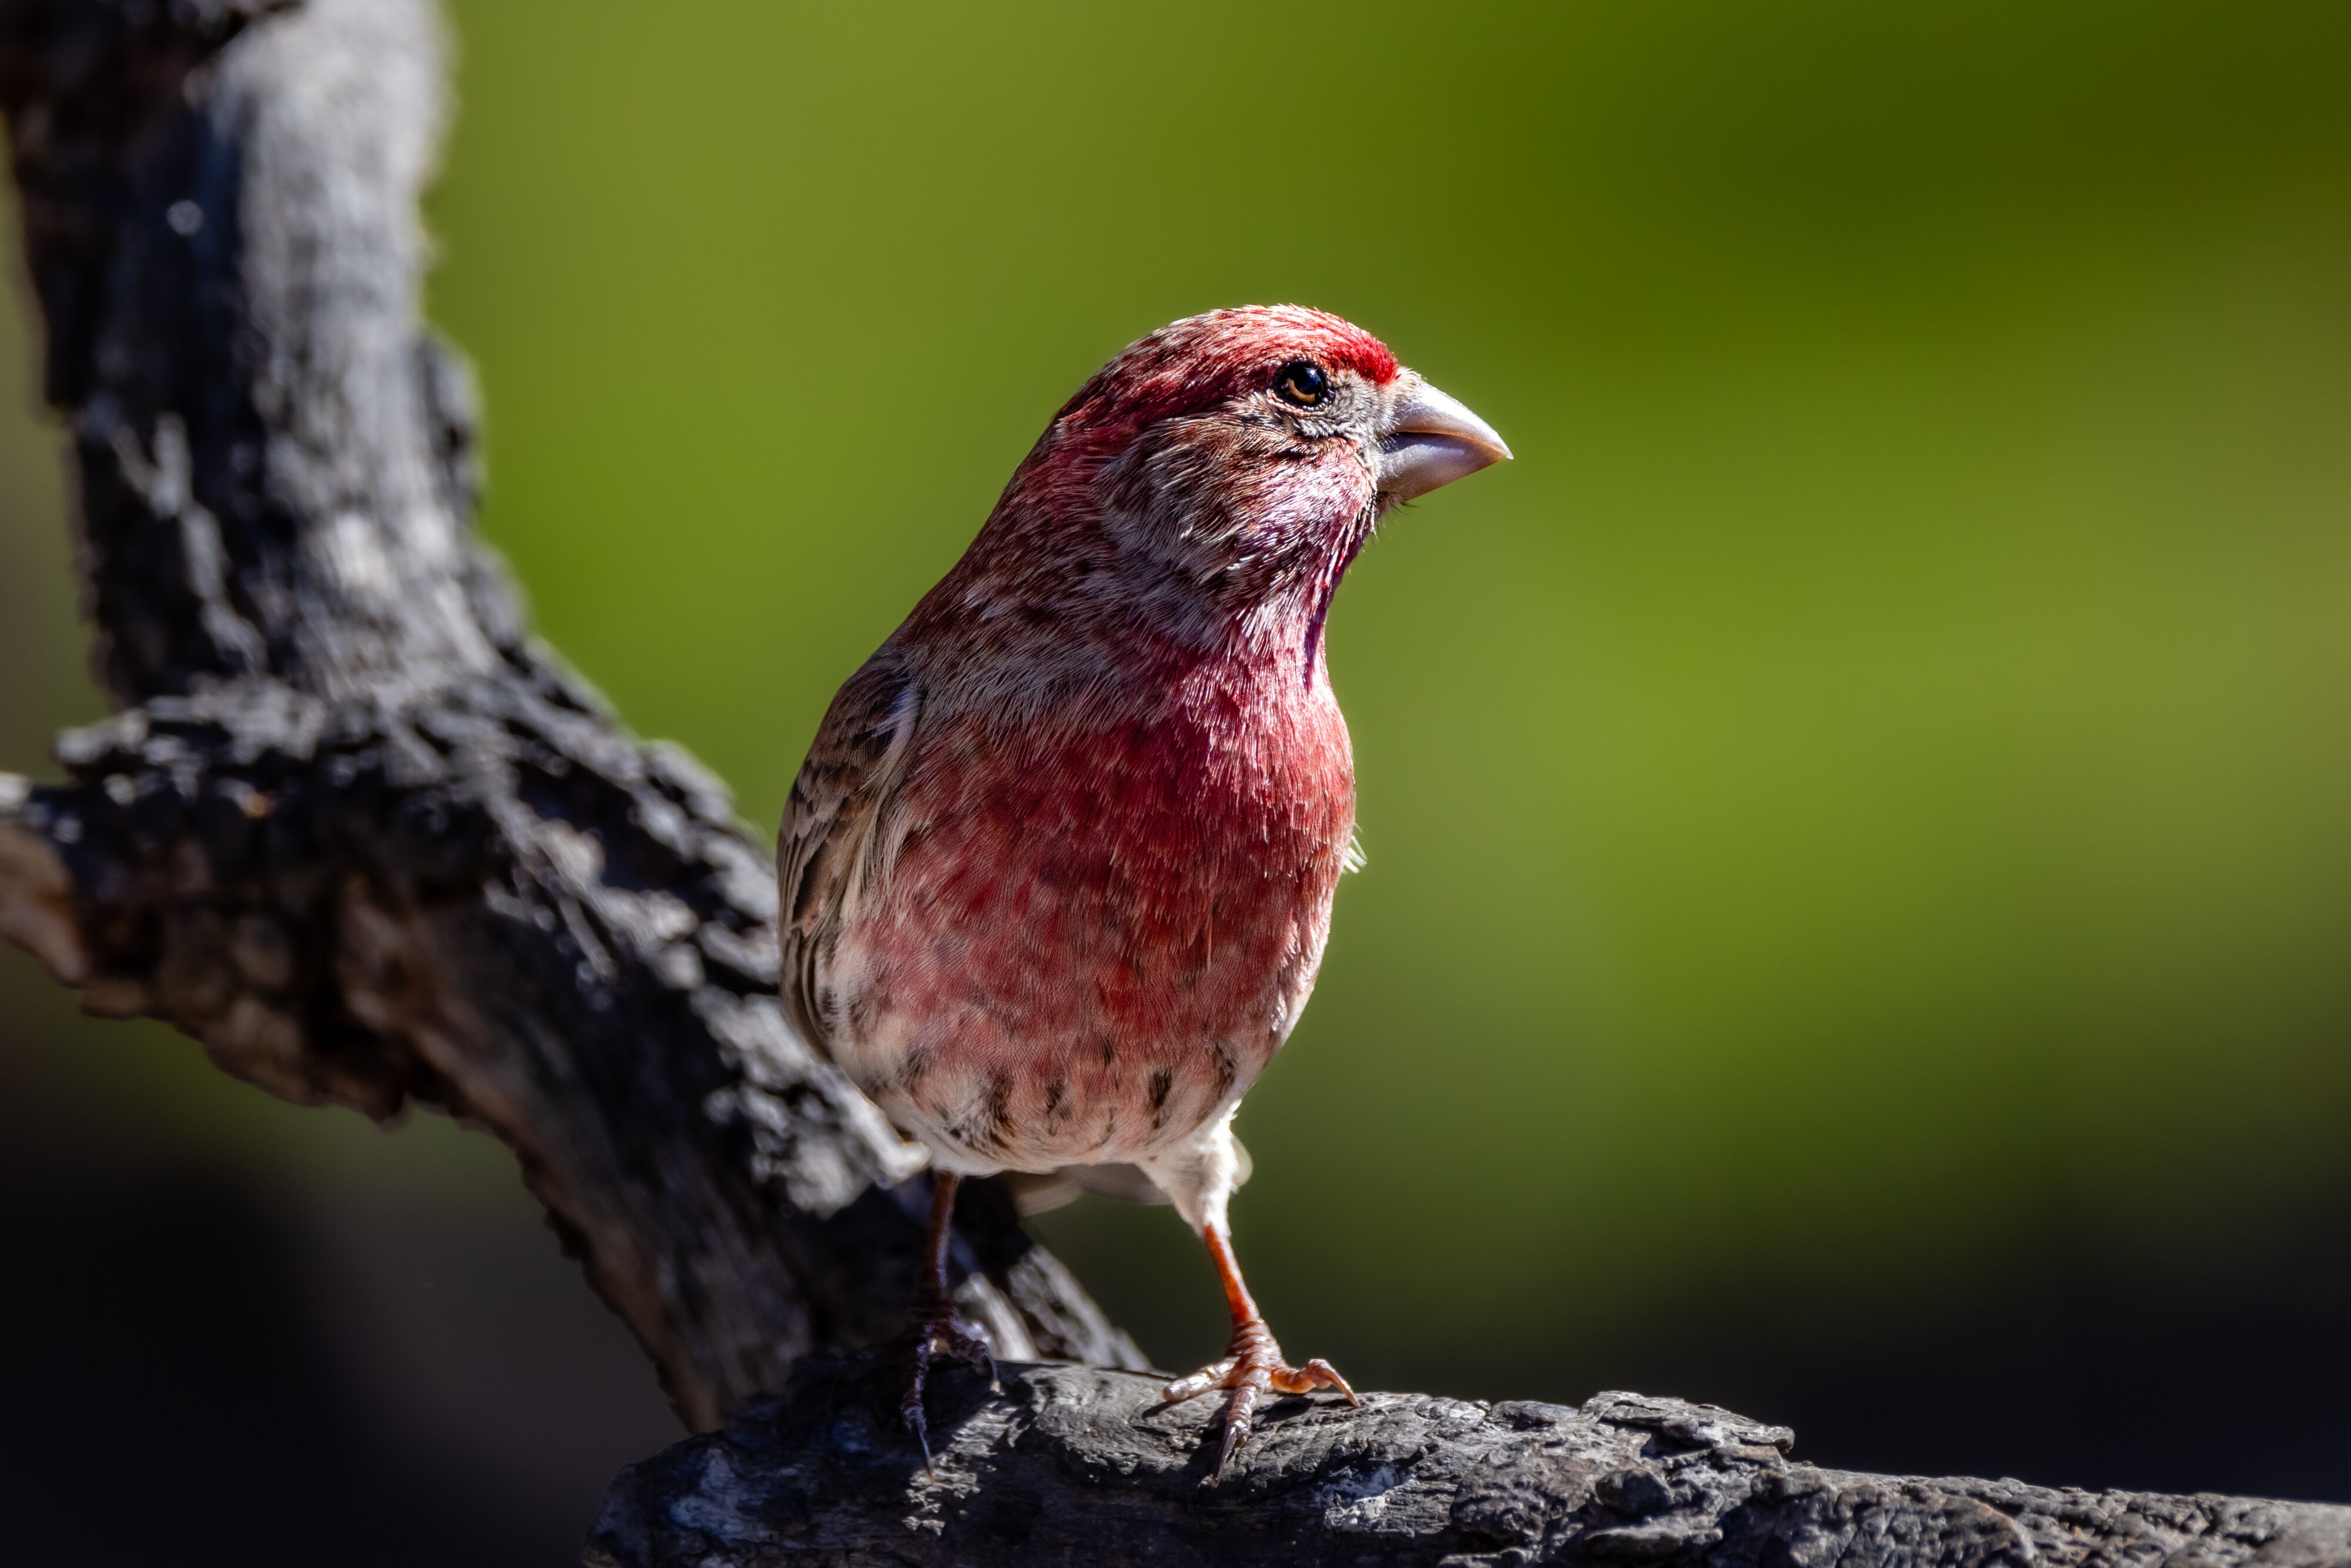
point(1226, 468)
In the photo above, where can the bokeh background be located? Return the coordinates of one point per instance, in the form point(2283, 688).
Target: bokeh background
point(1858, 922)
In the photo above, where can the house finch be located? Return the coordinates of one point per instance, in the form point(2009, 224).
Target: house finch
point(1057, 872)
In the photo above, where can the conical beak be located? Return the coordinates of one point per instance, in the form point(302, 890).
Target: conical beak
point(1430, 440)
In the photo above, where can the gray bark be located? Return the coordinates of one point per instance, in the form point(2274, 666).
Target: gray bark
point(1077, 1466)
point(354, 830)
point(368, 841)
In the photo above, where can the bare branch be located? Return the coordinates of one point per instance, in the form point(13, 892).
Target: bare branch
point(1084, 1466)
point(355, 831)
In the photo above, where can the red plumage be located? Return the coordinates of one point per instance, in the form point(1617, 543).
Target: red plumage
point(1057, 871)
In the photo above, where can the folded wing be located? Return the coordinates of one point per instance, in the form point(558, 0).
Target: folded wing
point(827, 858)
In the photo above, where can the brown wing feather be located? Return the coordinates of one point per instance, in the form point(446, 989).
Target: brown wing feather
point(825, 851)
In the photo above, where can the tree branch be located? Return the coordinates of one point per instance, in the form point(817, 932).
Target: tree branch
point(1083, 1467)
point(355, 831)
point(369, 842)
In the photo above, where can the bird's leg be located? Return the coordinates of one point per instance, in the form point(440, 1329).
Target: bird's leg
point(1252, 1363)
point(937, 1329)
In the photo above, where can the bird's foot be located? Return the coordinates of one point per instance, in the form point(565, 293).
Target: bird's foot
point(938, 1330)
point(1251, 1367)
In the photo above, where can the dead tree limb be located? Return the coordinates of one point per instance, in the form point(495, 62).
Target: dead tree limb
point(1084, 1468)
point(368, 841)
point(354, 830)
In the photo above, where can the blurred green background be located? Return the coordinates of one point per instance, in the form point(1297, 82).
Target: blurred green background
point(1859, 812)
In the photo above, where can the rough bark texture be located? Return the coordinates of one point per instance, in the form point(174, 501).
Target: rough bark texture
point(355, 831)
point(369, 843)
point(1077, 1466)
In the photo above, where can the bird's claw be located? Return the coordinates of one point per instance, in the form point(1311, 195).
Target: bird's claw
point(938, 1330)
point(1252, 1368)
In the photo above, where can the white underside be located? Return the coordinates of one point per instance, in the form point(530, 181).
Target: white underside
point(1197, 1172)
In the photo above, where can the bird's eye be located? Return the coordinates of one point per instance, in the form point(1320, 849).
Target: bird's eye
point(1301, 384)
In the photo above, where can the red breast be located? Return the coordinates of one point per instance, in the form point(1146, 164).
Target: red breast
point(1093, 936)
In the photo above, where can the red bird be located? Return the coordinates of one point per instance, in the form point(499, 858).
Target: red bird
point(1057, 870)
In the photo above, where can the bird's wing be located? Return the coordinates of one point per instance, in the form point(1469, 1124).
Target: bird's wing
point(826, 858)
